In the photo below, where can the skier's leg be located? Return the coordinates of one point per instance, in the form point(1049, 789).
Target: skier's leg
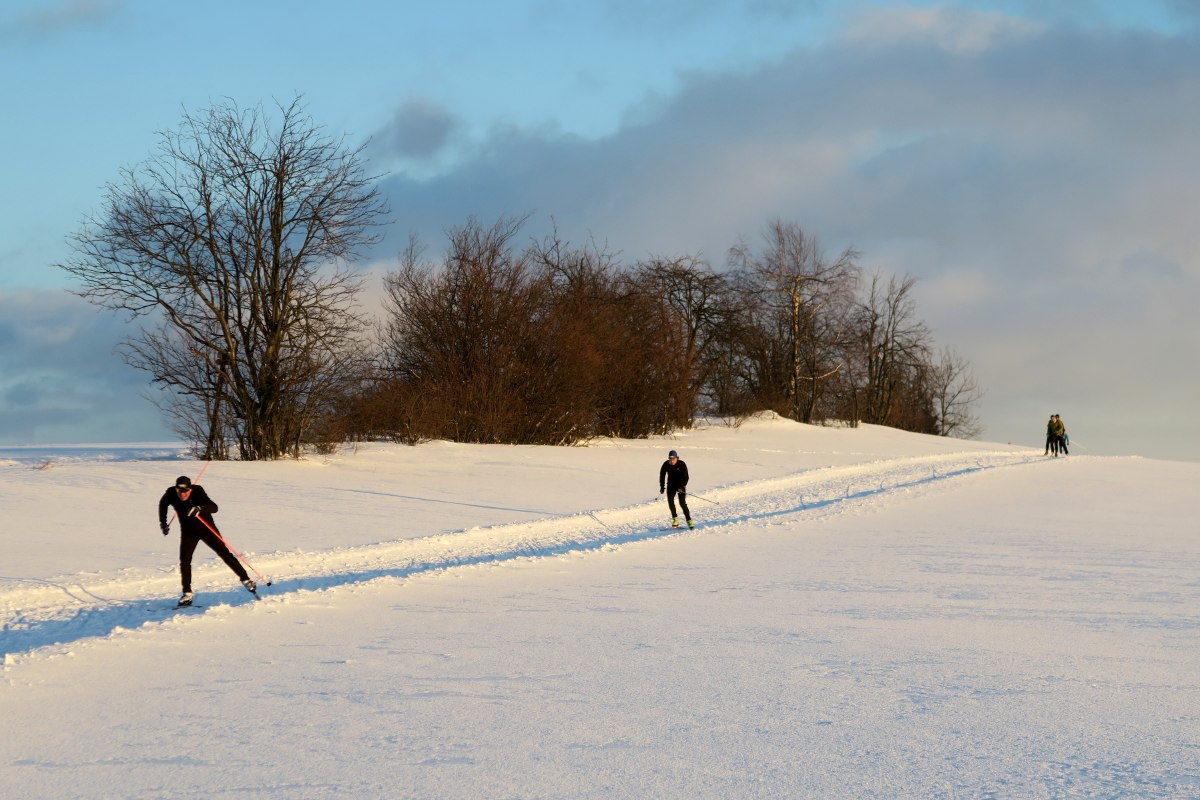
point(671, 502)
point(229, 558)
point(187, 546)
point(683, 504)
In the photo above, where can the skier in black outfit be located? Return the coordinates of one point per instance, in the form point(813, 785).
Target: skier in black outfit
point(673, 479)
point(195, 509)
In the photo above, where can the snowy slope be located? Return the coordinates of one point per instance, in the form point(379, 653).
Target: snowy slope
point(861, 613)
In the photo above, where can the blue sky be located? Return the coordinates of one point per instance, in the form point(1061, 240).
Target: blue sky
point(1034, 164)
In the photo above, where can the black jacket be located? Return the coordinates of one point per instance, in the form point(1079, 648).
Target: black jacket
point(676, 474)
point(197, 499)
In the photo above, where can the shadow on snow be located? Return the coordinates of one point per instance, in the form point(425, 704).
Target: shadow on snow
point(98, 621)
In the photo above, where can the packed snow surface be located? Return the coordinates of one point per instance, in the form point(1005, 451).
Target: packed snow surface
point(859, 613)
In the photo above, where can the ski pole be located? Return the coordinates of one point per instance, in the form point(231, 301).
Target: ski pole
point(245, 560)
point(705, 499)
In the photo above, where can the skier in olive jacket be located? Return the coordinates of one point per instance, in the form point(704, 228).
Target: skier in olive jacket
point(673, 479)
point(195, 509)
point(1051, 436)
point(1060, 435)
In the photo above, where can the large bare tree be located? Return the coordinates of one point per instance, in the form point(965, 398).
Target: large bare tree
point(235, 237)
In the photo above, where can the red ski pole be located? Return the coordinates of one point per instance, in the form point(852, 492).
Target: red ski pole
point(245, 561)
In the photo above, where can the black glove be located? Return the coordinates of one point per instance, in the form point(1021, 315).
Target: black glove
point(194, 511)
point(165, 528)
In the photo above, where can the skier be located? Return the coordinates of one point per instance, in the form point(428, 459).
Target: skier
point(673, 479)
point(195, 509)
point(1051, 436)
point(1060, 434)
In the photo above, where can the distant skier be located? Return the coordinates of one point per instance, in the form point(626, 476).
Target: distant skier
point(1060, 433)
point(195, 509)
point(1051, 436)
point(673, 479)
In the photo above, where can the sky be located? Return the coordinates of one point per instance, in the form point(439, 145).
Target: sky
point(1032, 164)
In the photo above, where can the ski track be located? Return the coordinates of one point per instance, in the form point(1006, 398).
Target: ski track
point(49, 617)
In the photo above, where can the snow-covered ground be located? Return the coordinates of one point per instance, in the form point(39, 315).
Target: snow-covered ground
point(861, 613)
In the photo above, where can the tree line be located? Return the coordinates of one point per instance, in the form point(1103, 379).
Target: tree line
point(233, 242)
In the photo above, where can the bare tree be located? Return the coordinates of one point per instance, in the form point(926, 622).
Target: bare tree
point(698, 299)
point(800, 302)
point(552, 345)
point(892, 349)
point(194, 408)
point(955, 394)
point(613, 343)
point(462, 334)
point(236, 235)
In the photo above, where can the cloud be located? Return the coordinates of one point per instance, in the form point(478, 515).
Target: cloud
point(51, 22)
point(419, 131)
point(864, 143)
point(60, 379)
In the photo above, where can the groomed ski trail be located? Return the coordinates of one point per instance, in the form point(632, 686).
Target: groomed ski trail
point(45, 618)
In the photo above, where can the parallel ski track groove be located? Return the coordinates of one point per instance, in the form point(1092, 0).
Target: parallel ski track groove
point(53, 616)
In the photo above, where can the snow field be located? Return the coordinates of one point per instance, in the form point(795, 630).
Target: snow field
point(903, 621)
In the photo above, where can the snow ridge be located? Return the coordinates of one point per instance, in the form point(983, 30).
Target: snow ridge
point(42, 618)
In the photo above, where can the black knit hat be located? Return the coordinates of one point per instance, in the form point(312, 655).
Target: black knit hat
point(183, 482)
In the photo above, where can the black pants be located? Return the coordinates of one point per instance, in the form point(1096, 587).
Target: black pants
point(1052, 444)
point(682, 490)
point(187, 545)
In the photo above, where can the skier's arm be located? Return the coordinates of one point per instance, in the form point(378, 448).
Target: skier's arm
point(162, 507)
point(204, 502)
point(163, 502)
point(662, 475)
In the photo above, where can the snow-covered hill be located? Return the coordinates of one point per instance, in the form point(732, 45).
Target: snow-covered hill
point(860, 613)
